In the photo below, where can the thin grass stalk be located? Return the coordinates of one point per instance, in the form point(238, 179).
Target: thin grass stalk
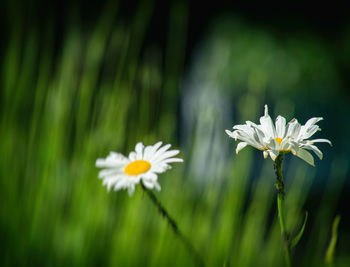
point(174, 226)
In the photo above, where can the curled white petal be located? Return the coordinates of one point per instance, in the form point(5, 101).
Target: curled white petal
point(240, 146)
point(320, 141)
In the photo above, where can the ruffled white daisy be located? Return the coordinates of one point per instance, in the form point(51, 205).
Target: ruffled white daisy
point(279, 138)
point(145, 163)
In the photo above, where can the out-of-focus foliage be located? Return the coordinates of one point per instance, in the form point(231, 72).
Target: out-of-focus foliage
point(67, 100)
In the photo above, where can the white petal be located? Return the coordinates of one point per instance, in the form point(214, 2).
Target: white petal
point(150, 176)
point(294, 146)
point(315, 150)
point(157, 145)
point(152, 149)
point(111, 161)
point(251, 124)
point(312, 121)
point(265, 154)
point(160, 151)
point(251, 138)
point(148, 184)
point(131, 190)
point(172, 160)
point(240, 146)
point(132, 155)
point(307, 133)
point(147, 152)
point(159, 159)
point(160, 167)
point(285, 144)
point(139, 150)
point(260, 134)
point(267, 125)
point(280, 126)
point(266, 110)
point(157, 186)
point(304, 155)
point(109, 172)
point(244, 128)
point(309, 128)
point(114, 178)
point(121, 183)
point(230, 134)
point(320, 141)
point(273, 154)
point(293, 128)
point(103, 163)
point(165, 155)
point(272, 144)
point(109, 185)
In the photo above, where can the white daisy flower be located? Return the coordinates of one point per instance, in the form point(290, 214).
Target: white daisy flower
point(144, 164)
point(279, 138)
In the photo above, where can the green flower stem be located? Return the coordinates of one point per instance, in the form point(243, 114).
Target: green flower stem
point(174, 226)
point(280, 198)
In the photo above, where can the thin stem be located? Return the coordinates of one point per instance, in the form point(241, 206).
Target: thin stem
point(173, 225)
point(280, 198)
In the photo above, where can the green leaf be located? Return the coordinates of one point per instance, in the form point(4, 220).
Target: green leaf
point(296, 240)
point(333, 242)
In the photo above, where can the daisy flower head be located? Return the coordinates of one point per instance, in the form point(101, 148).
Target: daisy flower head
point(279, 138)
point(144, 164)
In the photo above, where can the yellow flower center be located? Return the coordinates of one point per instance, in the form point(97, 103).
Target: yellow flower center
point(137, 167)
point(279, 140)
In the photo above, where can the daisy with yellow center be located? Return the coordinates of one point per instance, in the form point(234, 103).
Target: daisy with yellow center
point(279, 138)
point(144, 164)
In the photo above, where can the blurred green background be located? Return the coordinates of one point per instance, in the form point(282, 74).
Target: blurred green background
point(79, 79)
